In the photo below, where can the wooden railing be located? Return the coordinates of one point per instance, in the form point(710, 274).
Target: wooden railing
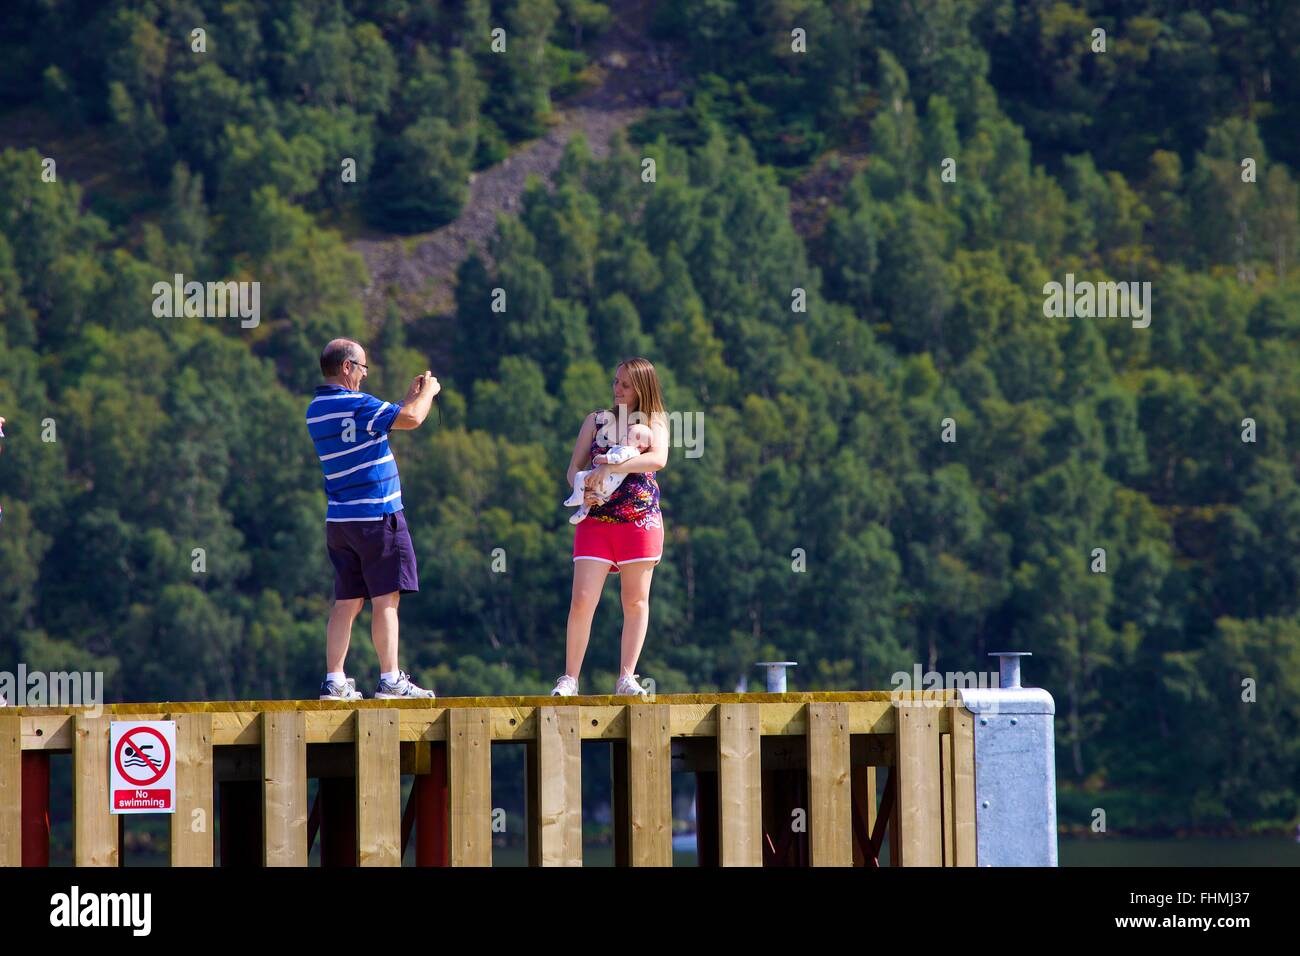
point(821, 779)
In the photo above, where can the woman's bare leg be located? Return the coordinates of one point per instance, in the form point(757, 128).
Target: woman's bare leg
point(636, 612)
point(588, 582)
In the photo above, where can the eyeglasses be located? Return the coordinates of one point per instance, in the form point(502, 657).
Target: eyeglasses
point(362, 364)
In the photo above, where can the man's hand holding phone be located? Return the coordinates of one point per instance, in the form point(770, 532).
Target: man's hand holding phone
point(424, 386)
point(418, 400)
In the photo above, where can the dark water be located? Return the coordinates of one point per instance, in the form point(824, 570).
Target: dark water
point(1114, 851)
point(1191, 851)
point(1072, 852)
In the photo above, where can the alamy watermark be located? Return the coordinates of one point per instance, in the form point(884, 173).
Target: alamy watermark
point(686, 429)
point(928, 689)
point(54, 689)
point(212, 300)
point(1100, 300)
point(75, 908)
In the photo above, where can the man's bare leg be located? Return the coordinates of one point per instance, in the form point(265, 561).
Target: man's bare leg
point(338, 633)
point(383, 629)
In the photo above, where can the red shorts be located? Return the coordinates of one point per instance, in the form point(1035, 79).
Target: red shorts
point(619, 542)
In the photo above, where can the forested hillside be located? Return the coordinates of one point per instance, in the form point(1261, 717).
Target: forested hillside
point(904, 459)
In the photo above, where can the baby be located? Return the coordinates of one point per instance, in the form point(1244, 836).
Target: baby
point(639, 437)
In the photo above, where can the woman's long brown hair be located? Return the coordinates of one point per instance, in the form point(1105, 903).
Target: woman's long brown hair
point(649, 396)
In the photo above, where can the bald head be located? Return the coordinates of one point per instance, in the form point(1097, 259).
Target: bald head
point(336, 353)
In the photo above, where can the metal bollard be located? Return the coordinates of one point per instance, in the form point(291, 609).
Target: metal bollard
point(1015, 769)
point(776, 674)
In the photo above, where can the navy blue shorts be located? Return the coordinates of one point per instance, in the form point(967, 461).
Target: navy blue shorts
point(371, 558)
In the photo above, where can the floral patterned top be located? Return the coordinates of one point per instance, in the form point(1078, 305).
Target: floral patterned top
point(636, 500)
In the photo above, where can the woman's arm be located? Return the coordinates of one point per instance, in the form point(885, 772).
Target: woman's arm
point(582, 447)
point(653, 459)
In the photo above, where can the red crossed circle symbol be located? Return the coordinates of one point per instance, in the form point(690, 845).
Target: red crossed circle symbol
point(159, 770)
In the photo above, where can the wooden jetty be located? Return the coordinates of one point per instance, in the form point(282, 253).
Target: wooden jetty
point(815, 779)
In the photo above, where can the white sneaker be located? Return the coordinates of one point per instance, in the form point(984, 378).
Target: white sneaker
point(345, 691)
point(401, 689)
point(566, 686)
point(628, 687)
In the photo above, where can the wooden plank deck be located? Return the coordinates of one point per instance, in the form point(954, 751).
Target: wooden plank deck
point(829, 741)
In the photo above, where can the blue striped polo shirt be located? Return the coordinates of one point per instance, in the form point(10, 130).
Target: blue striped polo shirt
point(350, 430)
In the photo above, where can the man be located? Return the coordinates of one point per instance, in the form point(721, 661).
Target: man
point(365, 526)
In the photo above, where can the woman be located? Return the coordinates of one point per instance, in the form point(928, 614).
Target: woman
point(626, 533)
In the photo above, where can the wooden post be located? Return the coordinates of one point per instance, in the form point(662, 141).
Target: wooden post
point(887, 815)
point(945, 791)
point(379, 788)
point(863, 791)
point(36, 808)
point(193, 822)
point(284, 788)
point(649, 785)
point(895, 817)
point(830, 820)
point(558, 786)
point(919, 800)
point(740, 786)
point(963, 786)
point(94, 829)
point(431, 837)
point(12, 778)
point(469, 740)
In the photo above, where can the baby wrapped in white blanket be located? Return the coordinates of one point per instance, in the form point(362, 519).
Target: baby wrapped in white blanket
point(639, 438)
